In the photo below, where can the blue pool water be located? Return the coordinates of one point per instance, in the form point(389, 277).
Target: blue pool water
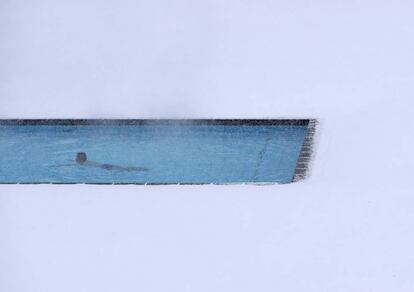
point(171, 153)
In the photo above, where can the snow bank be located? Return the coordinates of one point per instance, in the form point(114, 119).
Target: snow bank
point(349, 64)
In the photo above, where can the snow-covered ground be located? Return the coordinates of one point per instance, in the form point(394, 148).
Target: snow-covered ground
point(350, 227)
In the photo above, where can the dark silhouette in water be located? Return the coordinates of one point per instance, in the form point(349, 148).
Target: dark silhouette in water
point(82, 159)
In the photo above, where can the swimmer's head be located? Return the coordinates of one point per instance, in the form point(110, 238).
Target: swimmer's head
point(81, 157)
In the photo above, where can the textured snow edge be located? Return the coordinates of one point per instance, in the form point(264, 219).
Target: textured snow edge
point(303, 166)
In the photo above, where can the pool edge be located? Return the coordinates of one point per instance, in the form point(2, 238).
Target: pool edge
point(181, 122)
point(306, 153)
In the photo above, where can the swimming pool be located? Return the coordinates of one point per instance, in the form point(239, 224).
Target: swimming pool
point(171, 151)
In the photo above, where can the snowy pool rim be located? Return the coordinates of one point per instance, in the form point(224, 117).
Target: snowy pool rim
point(180, 122)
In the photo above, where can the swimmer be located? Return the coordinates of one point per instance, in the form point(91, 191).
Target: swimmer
point(82, 159)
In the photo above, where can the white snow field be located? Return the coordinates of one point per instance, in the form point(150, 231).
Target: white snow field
point(349, 227)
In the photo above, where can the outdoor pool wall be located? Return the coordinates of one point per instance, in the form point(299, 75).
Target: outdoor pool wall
point(168, 151)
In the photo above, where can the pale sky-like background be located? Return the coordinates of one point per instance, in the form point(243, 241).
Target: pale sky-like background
point(347, 63)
